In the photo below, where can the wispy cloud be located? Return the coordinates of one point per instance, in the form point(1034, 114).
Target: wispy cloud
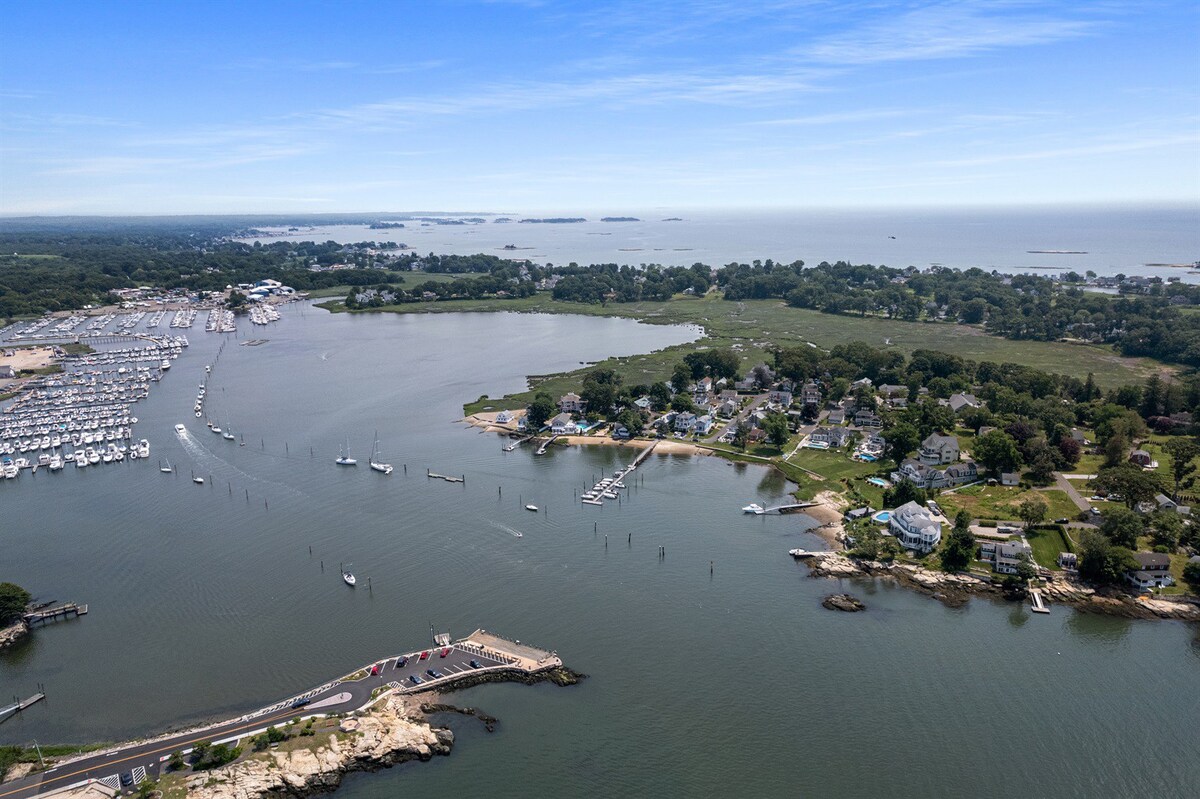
point(947, 30)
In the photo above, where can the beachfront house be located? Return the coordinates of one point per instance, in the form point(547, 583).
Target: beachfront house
point(563, 424)
point(572, 403)
point(914, 528)
point(1154, 571)
point(1005, 556)
point(620, 432)
point(938, 449)
point(505, 417)
point(685, 422)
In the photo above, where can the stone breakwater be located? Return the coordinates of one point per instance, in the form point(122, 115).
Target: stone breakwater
point(395, 731)
point(13, 633)
point(956, 589)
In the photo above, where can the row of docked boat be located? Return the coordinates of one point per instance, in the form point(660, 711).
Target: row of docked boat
point(608, 487)
point(54, 461)
point(220, 321)
point(183, 318)
point(263, 314)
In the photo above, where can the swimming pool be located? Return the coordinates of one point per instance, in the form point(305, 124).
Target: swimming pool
point(882, 517)
point(868, 458)
point(879, 481)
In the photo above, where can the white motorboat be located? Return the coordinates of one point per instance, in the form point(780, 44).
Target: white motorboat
point(532, 507)
point(754, 508)
point(198, 481)
point(349, 578)
point(165, 365)
point(180, 429)
point(228, 436)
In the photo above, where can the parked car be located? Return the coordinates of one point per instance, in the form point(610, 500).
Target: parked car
point(375, 670)
point(431, 672)
point(301, 702)
point(401, 661)
point(1063, 520)
point(415, 679)
point(444, 652)
point(424, 655)
point(475, 664)
point(127, 778)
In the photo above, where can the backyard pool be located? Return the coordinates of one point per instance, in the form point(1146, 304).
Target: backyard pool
point(862, 456)
point(879, 481)
point(882, 517)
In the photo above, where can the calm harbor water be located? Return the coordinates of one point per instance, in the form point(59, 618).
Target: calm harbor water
point(206, 603)
point(1115, 239)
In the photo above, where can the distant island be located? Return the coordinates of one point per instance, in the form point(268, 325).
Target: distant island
point(503, 219)
point(672, 219)
point(620, 219)
point(385, 225)
point(556, 220)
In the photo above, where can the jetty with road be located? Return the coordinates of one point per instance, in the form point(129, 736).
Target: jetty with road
point(478, 657)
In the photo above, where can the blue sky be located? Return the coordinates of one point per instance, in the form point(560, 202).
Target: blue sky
point(211, 107)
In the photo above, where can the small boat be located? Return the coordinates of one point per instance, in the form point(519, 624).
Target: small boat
point(349, 578)
point(198, 480)
point(216, 429)
point(180, 429)
point(531, 507)
point(165, 365)
point(754, 508)
point(344, 458)
point(228, 436)
point(166, 469)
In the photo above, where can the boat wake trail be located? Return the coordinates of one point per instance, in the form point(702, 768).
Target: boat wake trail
point(205, 458)
point(507, 529)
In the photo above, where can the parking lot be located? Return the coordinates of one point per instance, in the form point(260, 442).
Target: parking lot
point(456, 662)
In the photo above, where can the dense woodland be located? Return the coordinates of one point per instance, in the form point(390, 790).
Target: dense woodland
point(54, 267)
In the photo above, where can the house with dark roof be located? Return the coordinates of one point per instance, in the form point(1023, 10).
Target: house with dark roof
point(1154, 571)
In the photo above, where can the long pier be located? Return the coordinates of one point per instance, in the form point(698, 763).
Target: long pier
point(542, 449)
point(9, 711)
point(463, 661)
point(608, 487)
point(59, 612)
point(518, 443)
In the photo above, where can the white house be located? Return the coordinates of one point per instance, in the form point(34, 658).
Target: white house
point(685, 422)
point(1004, 556)
point(938, 449)
point(572, 403)
point(914, 528)
point(704, 425)
point(563, 424)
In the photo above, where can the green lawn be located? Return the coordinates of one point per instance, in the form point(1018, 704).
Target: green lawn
point(1046, 546)
point(1000, 502)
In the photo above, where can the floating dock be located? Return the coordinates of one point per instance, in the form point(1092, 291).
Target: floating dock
point(448, 478)
point(1035, 599)
point(9, 711)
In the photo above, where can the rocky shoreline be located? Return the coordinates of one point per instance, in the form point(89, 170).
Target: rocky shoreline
point(12, 634)
point(955, 590)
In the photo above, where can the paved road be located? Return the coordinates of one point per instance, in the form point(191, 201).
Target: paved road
point(145, 760)
point(1063, 483)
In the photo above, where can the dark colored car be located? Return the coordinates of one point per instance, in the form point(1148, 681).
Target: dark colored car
point(415, 679)
point(301, 702)
point(127, 778)
point(475, 664)
point(1063, 520)
point(401, 661)
point(431, 672)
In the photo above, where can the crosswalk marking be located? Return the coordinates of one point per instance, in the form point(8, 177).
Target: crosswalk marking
point(139, 775)
point(112, 781)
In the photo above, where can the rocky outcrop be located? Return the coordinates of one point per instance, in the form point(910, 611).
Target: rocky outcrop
point(391, 733)
point(956, 589)
point(13, 633)
point(843, 602)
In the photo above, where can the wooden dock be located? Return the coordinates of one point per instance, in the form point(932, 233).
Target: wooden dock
point(518, 443)
point(1035, 598)
point(55, 613)
point(542, 449)
point(448, 478)
point(9, 711)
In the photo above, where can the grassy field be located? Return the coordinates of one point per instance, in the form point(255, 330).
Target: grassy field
point(1046, 545)
point(753, 328)
point(1000, 502)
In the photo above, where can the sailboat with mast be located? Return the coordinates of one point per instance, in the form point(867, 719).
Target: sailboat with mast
point(376, 463)
point(344, 458)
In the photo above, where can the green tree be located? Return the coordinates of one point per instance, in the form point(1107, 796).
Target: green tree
point(1166, 528)
point(681, 378)
point(13, 600)
point(175, 762)
point(632, 420)
point(1122, 527)
point(1191, 576)
point(1102, 562)
point(682, 403)
point(901, 494)
point(997, 451)
point(775, 425)
point(959, 549)
point(741, 435)
point(1131, 482)
point(1032, 510)
point(540, 411)
point(236, 300)
point(660, 396)
point(902, 439)
point(1183, 452)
